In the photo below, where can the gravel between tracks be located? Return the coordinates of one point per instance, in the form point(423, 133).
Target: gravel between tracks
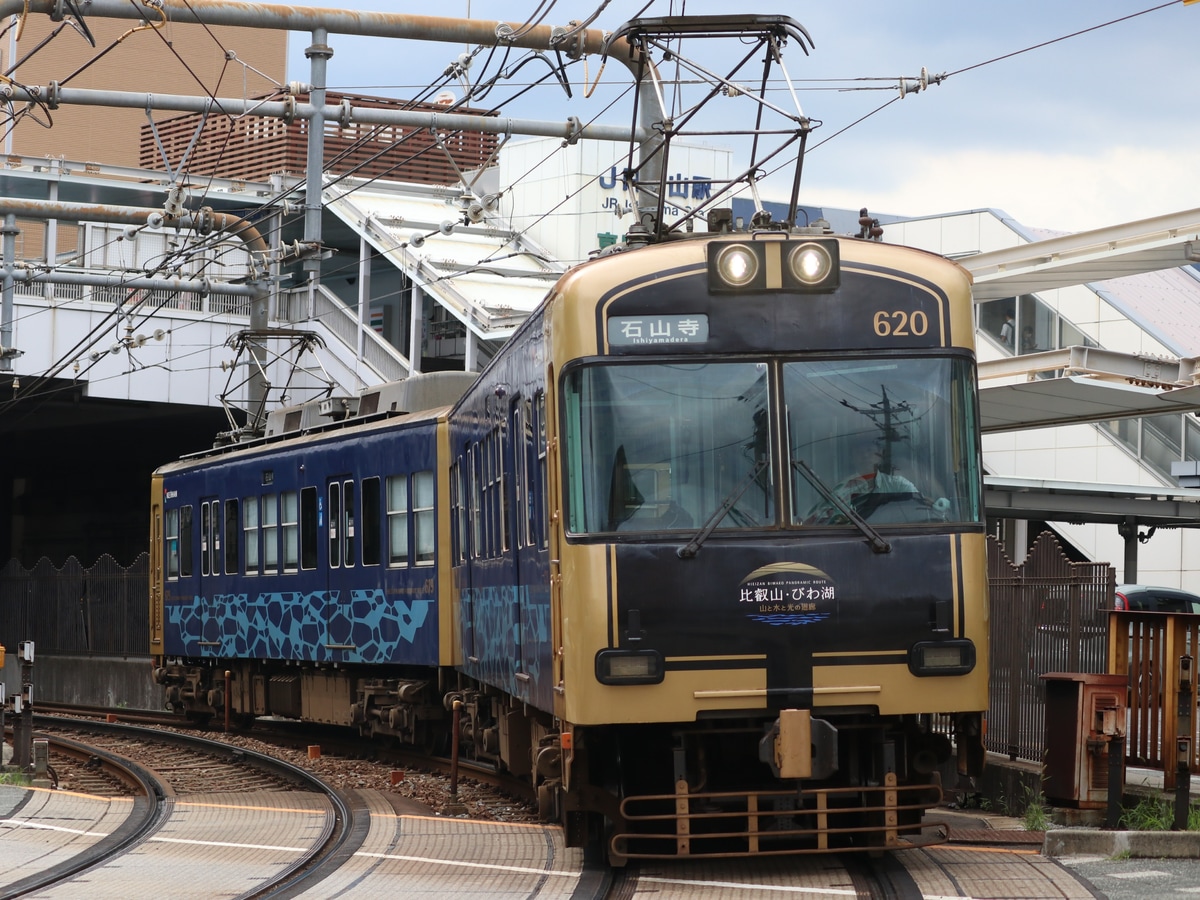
point(428, 789)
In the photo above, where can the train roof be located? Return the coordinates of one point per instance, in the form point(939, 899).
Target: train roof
point(418, 399)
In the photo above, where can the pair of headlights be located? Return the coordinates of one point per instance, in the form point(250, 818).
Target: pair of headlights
point(761, 265)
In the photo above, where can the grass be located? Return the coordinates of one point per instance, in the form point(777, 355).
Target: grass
point(1036, 816)
point(13, 777)
point(1157, 814)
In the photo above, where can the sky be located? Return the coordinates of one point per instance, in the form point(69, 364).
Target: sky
point(1092, 129)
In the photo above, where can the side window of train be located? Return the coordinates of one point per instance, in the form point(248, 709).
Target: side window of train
point(456, 534)
point(499, 451)
point(348, 523)
point(210, 537)
point(335, 524)
point(289, 516)
point(424, 523)
point(371, 520)
point(250, 534)
point(186, 536)
point(308, 528)
point(270, 533)
point(474, 498)
point(171, 543)
point(397, 517)
point(233, 531)
point(519, 423)
point(542, 514)
point(204, 539)
point(487, 507)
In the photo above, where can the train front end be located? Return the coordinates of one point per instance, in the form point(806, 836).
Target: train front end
point(770, 592)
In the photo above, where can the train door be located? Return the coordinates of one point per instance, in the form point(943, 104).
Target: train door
point(341, 549)
point(211, 557)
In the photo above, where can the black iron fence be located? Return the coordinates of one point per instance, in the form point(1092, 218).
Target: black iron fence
point(102, 609)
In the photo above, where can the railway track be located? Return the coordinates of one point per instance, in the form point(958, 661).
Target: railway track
point(154, 768)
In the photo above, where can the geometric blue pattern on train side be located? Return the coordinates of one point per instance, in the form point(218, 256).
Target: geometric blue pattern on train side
point(495, 621)
point(293, 625)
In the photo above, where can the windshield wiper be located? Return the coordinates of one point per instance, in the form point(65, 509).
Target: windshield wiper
point(693, 546)
point(878, 544)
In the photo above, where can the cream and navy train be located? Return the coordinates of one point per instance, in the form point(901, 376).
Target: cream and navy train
point(700, 553)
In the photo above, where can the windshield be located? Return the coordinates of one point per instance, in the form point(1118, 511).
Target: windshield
point(659, 446)
point(893, 440)
point(654, 447)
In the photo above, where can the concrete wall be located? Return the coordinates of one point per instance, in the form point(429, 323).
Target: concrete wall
point(118, 682)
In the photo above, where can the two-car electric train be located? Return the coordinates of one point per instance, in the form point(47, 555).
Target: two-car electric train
point(700, 553)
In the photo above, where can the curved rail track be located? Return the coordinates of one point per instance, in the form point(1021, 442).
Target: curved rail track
point(169, 764)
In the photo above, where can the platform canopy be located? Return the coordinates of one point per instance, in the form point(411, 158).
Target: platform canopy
point(1162, 242)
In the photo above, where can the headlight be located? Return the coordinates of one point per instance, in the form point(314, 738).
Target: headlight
point(629, 667)
point(737, 265)
point(941, 658)
point(810, 263)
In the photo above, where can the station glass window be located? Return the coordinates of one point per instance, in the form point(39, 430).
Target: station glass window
point(270, 533)
point(289, 514)
point(232, 531)
point(308, 528)
point(371, 532)
point(250, 533)
point(171, 543)
point(397, 515)
point(424, 524)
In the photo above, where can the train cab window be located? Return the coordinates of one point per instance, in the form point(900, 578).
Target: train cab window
point(371, 518)
point(250, 533)
point(309, 515)
point(424, 523)
point(643, 455)
point(397, 516)
point(232, 531)
point(893, 440)
point(270, 533)
point(289, 515)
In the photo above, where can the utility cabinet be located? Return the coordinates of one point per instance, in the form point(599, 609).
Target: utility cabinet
point(1084, 712)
